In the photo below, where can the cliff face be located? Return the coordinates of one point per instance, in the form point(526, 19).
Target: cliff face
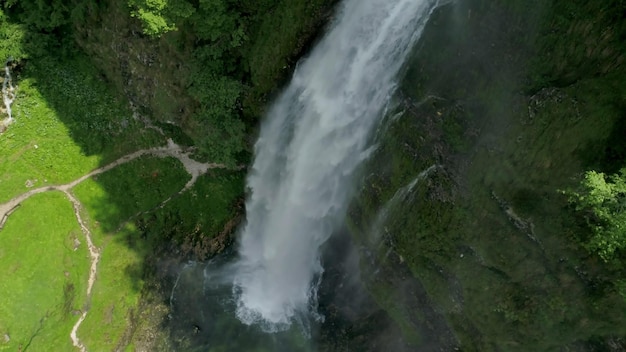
point(504, 105)
point(201, 88)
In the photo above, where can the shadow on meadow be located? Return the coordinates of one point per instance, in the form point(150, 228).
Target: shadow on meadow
point(69, 121)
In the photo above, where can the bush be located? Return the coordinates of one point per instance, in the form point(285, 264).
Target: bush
point(602, 201)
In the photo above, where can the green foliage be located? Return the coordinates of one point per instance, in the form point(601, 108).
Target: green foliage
point(18, 41)
point(200, 212)
point(240, 51)
point(580, 39)
point(602, 200)
point(160, 16)
point(131, 188)
point(620, 285)
point(42, 15)
point(211, 20)
point(215, 21)
point(276, 37)
point(217, 128)
point(11, 37)
point(228, 37)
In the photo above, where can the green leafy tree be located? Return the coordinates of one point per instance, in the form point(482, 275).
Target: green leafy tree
point(215, 21)
point(44, 15)
point(220, 132)
point(11, 38)
point(602, 200)
point(160, 16)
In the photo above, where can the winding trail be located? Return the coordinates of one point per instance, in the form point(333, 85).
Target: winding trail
point(94, 253)
point(193, 167)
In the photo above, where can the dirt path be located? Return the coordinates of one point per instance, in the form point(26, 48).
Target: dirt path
point(193, 167)
point(94, 254)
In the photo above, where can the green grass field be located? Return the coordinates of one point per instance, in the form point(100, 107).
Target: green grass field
point(38, 147)
point(109, 202)
point(117, 290)
point(67, 124)
point(44, 264)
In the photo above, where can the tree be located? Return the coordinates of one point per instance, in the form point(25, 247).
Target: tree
point(220, 133)
point(602, 201)
point(160, 16)
point(11, 38)
point(43, 15)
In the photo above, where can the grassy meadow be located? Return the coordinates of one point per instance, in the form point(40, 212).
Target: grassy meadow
point(68, 123)
point(45, 265)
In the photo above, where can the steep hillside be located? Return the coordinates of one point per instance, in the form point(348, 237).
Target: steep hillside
point(503, 109)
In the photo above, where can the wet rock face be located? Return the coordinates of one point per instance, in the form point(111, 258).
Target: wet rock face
point(353, 320)
point(491, 240)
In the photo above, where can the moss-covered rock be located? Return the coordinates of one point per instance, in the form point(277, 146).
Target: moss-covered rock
point(486, 231)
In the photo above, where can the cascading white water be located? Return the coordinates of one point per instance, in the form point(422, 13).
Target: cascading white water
point(314, 137)
point(8, 96)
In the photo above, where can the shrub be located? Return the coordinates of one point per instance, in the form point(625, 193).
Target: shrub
point(601, 200)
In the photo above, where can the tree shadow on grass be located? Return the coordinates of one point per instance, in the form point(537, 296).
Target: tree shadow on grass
point(68, 89)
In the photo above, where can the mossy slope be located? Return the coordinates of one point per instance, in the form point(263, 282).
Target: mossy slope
point(513, 101)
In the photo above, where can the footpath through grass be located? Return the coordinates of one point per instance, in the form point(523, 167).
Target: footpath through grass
point(67, 124)
point(44, 263)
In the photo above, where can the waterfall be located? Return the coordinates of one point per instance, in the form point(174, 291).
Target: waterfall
point(8, 96)
point(314, 137)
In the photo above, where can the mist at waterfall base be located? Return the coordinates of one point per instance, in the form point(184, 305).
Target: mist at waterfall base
point(311, 143)
point(202, 310)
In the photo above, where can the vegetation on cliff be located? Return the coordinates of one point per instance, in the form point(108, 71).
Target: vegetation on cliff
point(512, 101)
point(602, 202)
